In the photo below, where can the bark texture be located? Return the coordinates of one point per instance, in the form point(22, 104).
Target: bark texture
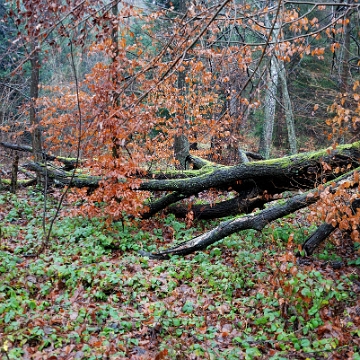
point(252, 184)
point(256, 221)
point(253, 179)
point(69, 163)
point(34, 94)
point(289, 116)
point(252, 221)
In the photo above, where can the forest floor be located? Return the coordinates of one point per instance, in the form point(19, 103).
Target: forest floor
point(90, 295)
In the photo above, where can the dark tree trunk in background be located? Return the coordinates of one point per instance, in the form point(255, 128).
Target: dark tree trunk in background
point(34, 94)
point(181, 141)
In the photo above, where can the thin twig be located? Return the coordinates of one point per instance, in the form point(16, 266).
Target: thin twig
point(62, 198)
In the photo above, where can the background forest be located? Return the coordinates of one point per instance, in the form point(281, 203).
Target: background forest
point(129, 128)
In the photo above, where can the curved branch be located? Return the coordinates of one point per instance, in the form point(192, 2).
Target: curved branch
point(63, 177)
point(68, 162)
point(323, 231)
point(162, 203)
point(253, 221)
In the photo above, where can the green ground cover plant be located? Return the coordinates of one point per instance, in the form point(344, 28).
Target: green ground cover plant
point(90, 295)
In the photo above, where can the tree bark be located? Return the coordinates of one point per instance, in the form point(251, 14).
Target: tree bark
point(222, 209)
point(299, 171)
point(181, 141)
point(289, 115)
point(256, 221)
point(344, 67)
point(34, 94)
point(69, 163)
point(254, 182)
point(181, 150)
point(270, 98)
point(115, 78)
point(263, 178)
point(14, 174)
point(252, 221)
point(323, 231)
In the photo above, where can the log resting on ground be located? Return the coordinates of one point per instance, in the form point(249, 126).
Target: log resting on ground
point(256, 221)
point(252, 221)
point(69, 163)
point(291, 172)
point(263, 178)
point(254, 182)
point(221, 209)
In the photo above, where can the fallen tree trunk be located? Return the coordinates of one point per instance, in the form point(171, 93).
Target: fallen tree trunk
point(63, 177)
point(5, 184)
point(262, 178)
point(288, 173)
point(255, 221)
point(323, 231)
point(252, 221)
point(69, 163)
point(221, 209)
point(253, 183)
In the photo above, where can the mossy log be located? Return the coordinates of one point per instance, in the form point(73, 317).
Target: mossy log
point(230, 207)
point(254, 183)
point(63, 177)
point(252, 221)
point(262, 178)
point(5, 184)
point(69, 163)
point(256, 221)
point(301, 171)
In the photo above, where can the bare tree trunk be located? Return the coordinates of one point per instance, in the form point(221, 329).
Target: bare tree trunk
point(14, 173)
point(270, 108)
point(115, 44)
point(34, 94)
point(181, 141)
point(289, 116)
point(270, 98)
point(233, 102)
point(181, 150)
point(345, 68)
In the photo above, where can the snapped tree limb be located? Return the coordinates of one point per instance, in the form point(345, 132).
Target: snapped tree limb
point(252, 221)
point(256, 221)
point(302, 171)
point(69, 163)
point(323, 231)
